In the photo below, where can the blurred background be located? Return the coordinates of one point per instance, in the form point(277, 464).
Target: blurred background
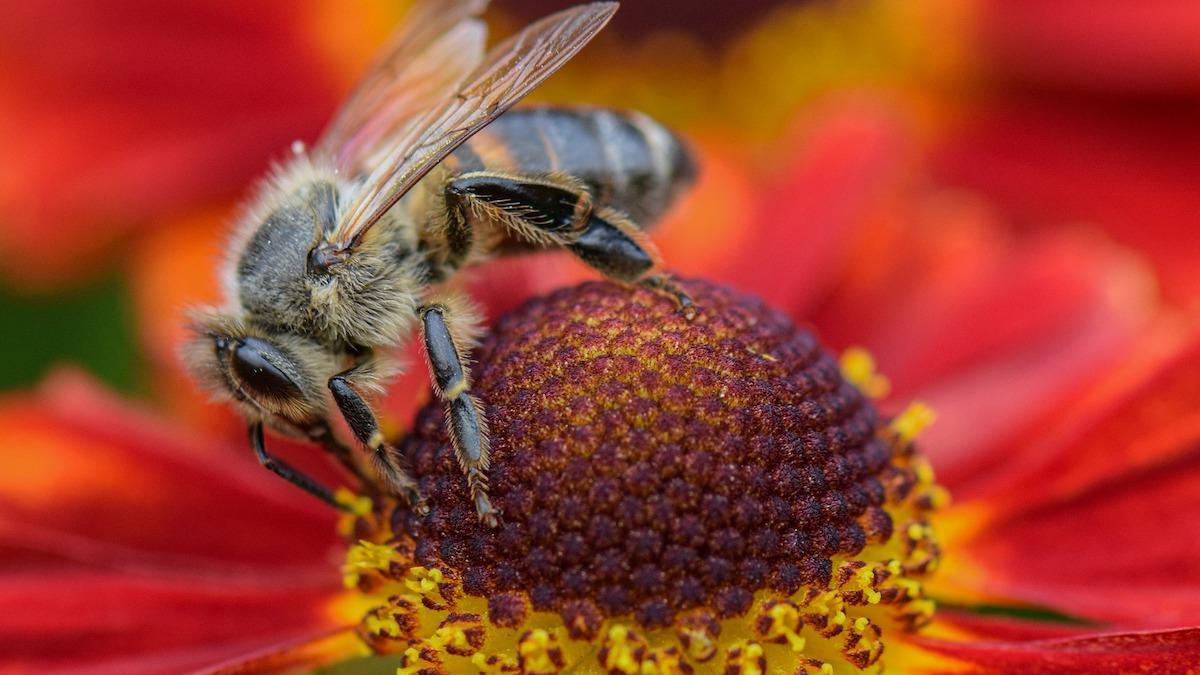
point(131, 129)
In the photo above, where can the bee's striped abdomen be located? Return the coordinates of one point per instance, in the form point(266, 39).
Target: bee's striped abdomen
point(627, 161)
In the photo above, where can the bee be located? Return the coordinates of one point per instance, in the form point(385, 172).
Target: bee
point(423, 171)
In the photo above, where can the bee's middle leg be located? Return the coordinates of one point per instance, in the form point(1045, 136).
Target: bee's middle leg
point(467, 426)
point(365, 427)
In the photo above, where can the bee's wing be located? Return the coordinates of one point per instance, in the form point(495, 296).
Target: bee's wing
point(439, 44)
point(508, 72)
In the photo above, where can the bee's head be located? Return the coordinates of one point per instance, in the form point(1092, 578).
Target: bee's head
point(269, 376)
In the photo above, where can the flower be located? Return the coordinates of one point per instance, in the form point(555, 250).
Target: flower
point(137, 541)
point(674, 491)
point(939, 295)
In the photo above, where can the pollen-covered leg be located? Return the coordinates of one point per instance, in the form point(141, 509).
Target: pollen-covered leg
point(365, 427)
point(555, 210)
point(464, 416)
point(542, 210)
point(286, 471)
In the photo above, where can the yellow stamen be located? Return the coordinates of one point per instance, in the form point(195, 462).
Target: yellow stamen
point(366, 558)
point(412, 662)
point(624, 649)
point(384, 625)
point(784, 625)
point(863, 581)
point(858, 367)
point(356, 507)
point(538, 650)
point(424, 581)
point(745, 658)
point(916, 418)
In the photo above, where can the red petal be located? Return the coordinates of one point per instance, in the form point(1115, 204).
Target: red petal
point(1104, 45)
point(1140, 415)
point(89, 477)
point(1125, 550)
point(1129, 169)
point(848, 165)
point(1098, 519)
point(1164, 652)
point(125, 547)
point(955, 308)
point(118, 113)
point(306, 655)
point(76, 621)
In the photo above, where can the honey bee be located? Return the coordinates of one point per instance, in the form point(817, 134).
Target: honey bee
point(422, 172)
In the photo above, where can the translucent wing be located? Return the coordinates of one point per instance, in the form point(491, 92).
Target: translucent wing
point(509, 72)
point(439, 44)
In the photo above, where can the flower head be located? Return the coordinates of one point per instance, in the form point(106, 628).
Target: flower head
point(673, 493)
point(1067, 430)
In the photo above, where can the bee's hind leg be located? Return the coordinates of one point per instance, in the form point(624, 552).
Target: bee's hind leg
point(665, 284)
point(556, 210)
point(365, 427)
point(620, 250)
point(451, 380)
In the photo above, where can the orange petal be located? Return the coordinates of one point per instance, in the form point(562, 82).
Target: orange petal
point(90, 479)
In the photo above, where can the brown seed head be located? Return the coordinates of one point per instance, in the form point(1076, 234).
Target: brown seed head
point(664, 474)
point(649, 464)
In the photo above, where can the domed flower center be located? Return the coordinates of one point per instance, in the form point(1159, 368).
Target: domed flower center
point(712, 495)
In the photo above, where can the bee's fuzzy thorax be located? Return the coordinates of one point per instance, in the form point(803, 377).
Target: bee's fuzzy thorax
point(284, 183)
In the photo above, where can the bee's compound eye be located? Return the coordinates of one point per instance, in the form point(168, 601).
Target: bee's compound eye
point(256, 372)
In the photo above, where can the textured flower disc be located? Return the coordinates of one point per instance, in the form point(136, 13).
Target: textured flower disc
point(707, 495)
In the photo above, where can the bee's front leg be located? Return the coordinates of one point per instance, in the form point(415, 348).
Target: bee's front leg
point(286, 471)
point(365, 427)
point(451, 380)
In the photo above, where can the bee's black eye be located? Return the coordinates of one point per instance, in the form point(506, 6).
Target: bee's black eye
point(256, 372)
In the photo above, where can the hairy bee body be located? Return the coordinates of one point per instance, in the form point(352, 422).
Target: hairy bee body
point(622, 161)
point(423, 171)
point(626, 160)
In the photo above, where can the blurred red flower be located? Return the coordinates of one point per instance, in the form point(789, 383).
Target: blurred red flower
point(118, 115)
point(130, 542)
point(1087, 111)
point(1069, 439)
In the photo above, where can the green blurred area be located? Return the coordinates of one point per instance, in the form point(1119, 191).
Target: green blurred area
point(92, 327)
